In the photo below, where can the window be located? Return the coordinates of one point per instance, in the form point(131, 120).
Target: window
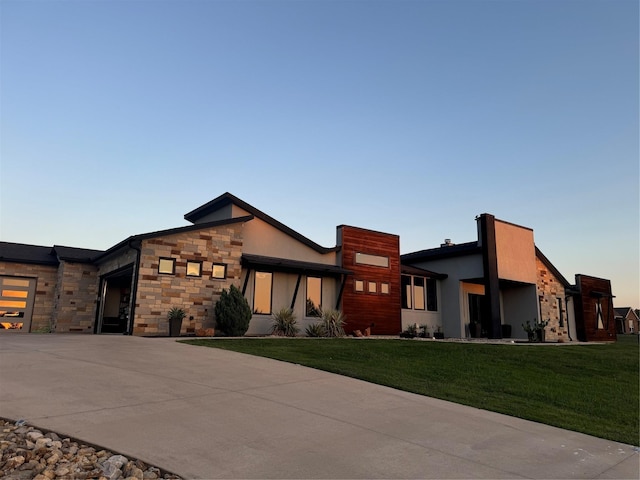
point(432, 295)
point(219, 270)
point(373, 288)
point(560, 314)
point(405, 283)
point(384, 288)
point(373, 260)
point(167, 266)
point(418, 293)
point(359, 286)
point(262, 293)
point(194, 269)
point(314, 296)
point(415, 290)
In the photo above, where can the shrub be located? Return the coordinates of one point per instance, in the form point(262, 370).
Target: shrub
point(232, 313)
point(316, 330)
point(333, 322)
point(410, 332)
point(284, 323)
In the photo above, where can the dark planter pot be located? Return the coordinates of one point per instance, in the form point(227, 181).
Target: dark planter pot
point(531, 336)
point(175, 325)
point(438, 335)
point(540, 336)
point(506, 331)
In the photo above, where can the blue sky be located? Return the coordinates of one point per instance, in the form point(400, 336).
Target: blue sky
point(409, 117)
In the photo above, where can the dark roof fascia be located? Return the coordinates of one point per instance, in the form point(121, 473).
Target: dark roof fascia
point(24, 253)
point(547, 263)
point(227, 198)
point(75, 255)
point(126, 243)
point(411, 270)
point(458, 250)
point(292, 266)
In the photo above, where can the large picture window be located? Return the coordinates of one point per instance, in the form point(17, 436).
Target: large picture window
point(419, 293)
point(262, 293)
point(314, 296)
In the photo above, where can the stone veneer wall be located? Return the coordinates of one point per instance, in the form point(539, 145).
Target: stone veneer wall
point(75, 301)
point(158, 293)
point(45, 290)
point(549, 290)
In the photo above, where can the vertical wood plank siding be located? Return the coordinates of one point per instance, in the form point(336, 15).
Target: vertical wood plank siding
point(363, 308)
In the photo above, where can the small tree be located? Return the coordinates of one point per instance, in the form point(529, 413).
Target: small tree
point(232, 313)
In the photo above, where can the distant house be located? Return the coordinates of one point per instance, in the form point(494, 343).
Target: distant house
point(627, 320)
point(495, 283)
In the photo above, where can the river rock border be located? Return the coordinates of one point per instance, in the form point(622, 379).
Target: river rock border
point(39, 454)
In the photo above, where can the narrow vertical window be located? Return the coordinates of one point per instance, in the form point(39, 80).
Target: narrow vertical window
point(599, 322)
point(405, 283)
point(262, 293)
point(560, 313)
point(314, 296)
point(432, 295)
point(418, 293)
point(373, 287)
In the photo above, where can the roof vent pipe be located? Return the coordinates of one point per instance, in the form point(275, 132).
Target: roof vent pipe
point(447, 243)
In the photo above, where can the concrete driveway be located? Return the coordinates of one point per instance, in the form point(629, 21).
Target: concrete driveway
point(208, 413)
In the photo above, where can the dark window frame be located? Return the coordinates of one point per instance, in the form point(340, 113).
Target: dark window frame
point(318, 308)
point(223, 265)
point(194, 262)
point(406, 303)
point(432, 295)
point(173, 265)
point(255, 281)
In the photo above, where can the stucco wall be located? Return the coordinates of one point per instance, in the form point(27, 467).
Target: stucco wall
point(452, 302)
point(45, 290)
point(516, 252)
point(283, 287)
point(158, 293)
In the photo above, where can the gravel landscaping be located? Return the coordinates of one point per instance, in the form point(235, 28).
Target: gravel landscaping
point(29, 453)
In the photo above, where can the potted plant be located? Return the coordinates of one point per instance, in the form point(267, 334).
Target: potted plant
point(439, 334)
point(535, 331)
point(424, 331)
point(175, 316)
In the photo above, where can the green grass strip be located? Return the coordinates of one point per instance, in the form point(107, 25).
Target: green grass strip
point(592, 389)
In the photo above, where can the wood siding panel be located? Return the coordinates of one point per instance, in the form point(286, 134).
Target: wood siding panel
point(586, 321)
point(363, 309)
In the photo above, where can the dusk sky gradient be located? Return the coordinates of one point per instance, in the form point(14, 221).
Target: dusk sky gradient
point(408, 117)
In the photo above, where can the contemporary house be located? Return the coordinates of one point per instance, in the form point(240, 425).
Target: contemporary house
point(627, 320)
point(482, 288)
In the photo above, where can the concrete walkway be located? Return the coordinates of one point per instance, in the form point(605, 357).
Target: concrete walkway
point(208, 413)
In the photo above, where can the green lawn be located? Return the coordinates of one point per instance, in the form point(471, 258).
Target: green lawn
point(587, 388)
